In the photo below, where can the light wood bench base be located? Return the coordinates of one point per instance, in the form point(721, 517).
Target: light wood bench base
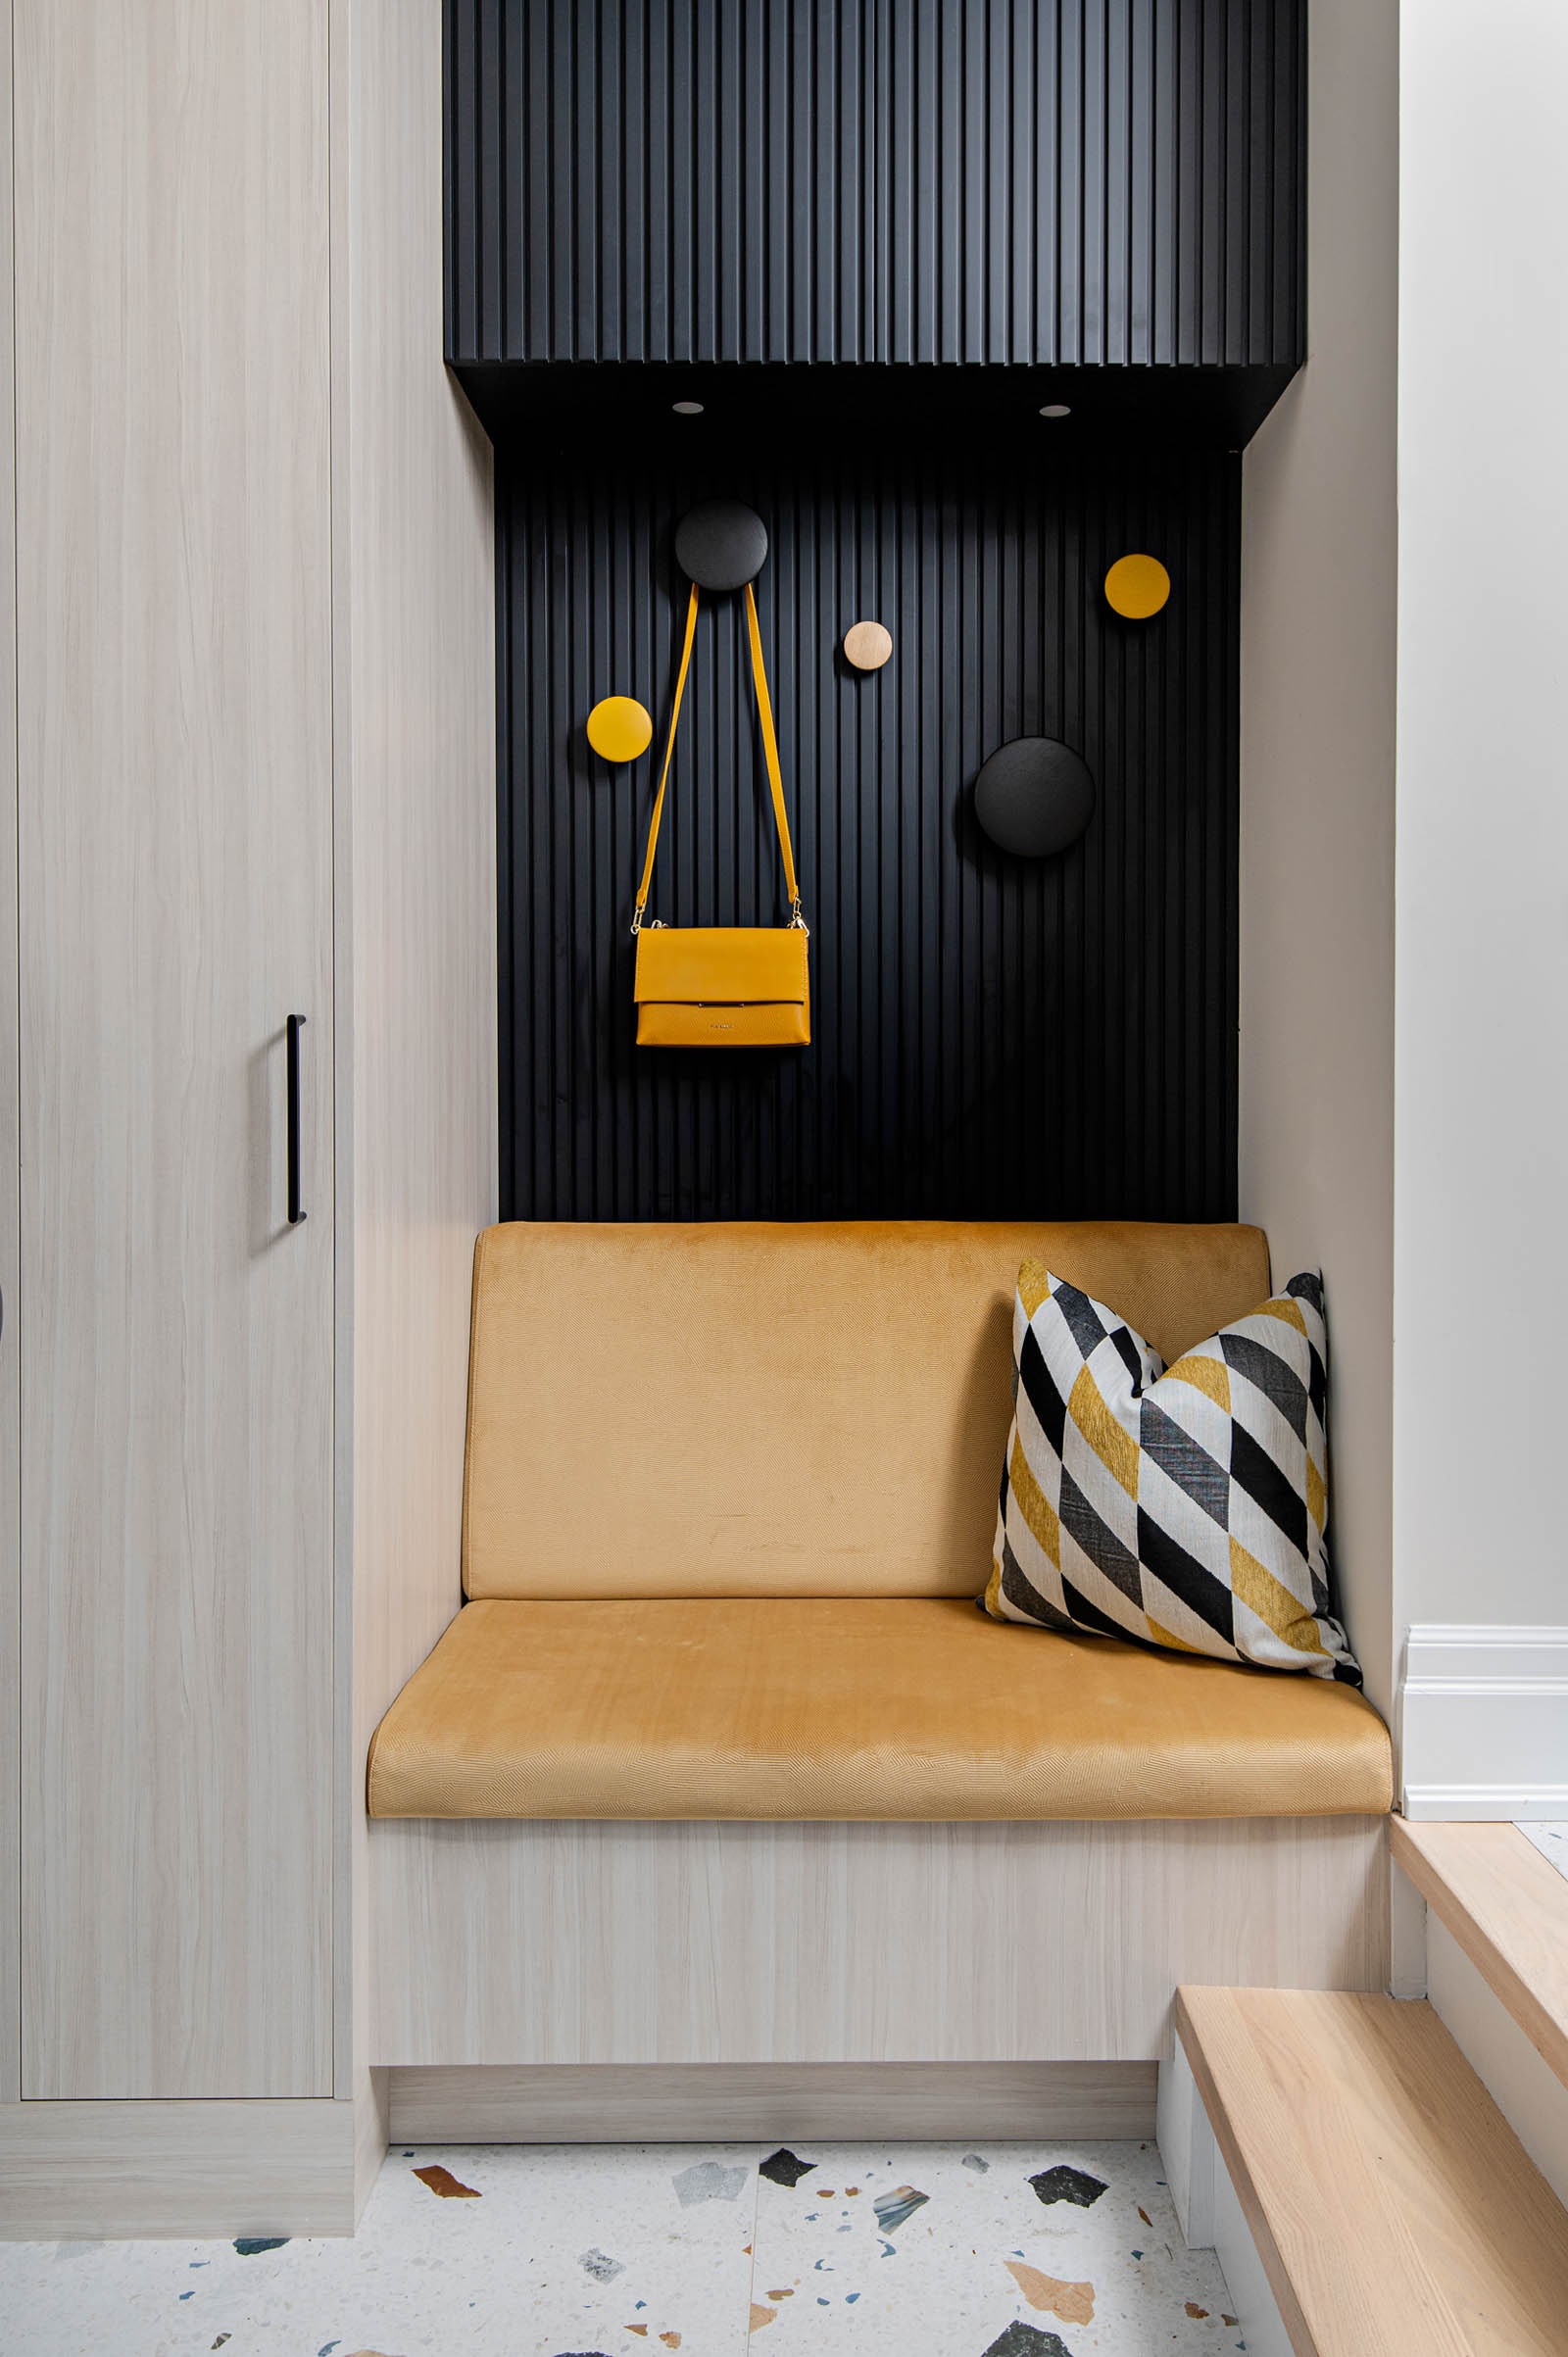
point(539, 1942)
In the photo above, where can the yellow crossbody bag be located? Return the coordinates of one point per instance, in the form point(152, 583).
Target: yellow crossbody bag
point(723, 986)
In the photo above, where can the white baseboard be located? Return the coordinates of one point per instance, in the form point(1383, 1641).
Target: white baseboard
point(122, 2171)
point(1484, 1724)
point(1485, 1804)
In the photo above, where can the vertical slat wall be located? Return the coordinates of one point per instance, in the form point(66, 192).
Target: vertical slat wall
point(991, 1037)
point(1050, 182)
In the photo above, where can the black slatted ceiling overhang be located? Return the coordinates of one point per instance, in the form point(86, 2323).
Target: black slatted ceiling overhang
point(1056, 182)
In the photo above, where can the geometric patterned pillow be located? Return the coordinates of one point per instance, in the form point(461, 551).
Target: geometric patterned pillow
point(1183, 1507)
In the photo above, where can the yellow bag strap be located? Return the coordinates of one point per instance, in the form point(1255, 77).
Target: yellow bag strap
point(775, 777)
point(663, 776)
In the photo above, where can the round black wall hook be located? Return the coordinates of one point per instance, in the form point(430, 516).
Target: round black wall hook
point(721, 544)
point(1034, 797)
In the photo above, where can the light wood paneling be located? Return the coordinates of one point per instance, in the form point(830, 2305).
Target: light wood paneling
point(122, 2170)
point(175, 749)
point(371, 2099)
point(696, 2104)
point(10, 1167)
point(1393, 2207)
point(414, 727)
point(1507, 1907)
point(698, 1942)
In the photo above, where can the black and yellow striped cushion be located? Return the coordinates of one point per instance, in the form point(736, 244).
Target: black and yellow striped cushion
point(1186, 1505)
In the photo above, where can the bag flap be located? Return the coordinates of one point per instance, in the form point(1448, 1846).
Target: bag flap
point(720, 965)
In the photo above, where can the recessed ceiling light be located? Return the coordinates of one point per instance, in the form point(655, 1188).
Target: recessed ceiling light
point(1055, 409)
point(687, 409)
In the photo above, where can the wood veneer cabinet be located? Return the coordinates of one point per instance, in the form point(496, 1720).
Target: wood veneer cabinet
point(174, 745)
point(252, 662)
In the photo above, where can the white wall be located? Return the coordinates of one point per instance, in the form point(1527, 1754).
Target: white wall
point(1482, 969)
point(1316, 1147)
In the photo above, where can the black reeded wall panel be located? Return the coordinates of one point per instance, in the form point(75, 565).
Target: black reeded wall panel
point(991, 1038)
point(1073, 182)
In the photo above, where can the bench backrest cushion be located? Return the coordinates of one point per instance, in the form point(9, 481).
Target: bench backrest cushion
point(757, 1408)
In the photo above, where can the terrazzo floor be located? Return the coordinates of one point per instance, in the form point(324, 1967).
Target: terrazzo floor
point(1551, 1839)
point(914, 2250)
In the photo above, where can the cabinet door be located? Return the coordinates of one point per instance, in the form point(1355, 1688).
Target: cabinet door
point(174, 754)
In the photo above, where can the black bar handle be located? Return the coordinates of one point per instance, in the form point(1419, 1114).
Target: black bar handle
point(296, 1210)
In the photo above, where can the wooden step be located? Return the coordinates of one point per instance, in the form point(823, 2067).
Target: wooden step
point(1507, 1907)
point(1394, 2212)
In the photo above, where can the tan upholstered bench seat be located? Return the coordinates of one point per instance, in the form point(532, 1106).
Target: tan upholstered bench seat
point(731, 1489)
point(863, 1706)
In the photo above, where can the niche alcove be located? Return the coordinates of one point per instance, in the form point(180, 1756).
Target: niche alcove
point(968, 305)
point(967, 302)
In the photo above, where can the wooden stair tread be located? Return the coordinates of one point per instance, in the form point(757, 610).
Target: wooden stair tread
point(1393, 2207)
point(1507, 1907)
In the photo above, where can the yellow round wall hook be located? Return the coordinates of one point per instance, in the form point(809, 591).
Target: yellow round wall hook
point(1137, 587)
point(619, 729)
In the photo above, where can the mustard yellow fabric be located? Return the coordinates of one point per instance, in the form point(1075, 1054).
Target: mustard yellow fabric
point(865, 1707)
point(790, 1409)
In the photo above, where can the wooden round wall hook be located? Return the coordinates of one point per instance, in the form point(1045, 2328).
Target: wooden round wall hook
point(867, 645)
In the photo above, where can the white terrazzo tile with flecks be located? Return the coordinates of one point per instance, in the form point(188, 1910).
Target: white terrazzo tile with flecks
point(498, 2274)
point(920, 2247)
point(1551, 1839)
point(606, 2251)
